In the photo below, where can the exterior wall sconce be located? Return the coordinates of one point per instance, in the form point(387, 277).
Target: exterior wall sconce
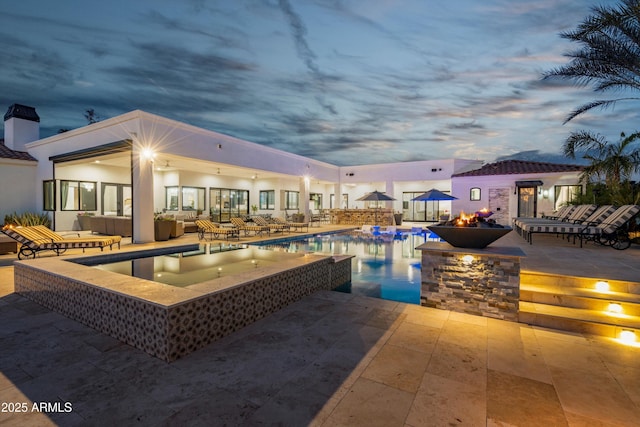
point(545, 194)
point(148, 154)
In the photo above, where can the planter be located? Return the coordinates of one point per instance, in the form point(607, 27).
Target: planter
point(398, 219)
point(162, 230)
point(85, 222)
point(469, 237)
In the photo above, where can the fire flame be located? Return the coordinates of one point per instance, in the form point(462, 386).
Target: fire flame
point(464, 218)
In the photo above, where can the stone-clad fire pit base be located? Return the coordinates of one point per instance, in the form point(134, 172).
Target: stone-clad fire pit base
point(483, 282)
point(170, 322)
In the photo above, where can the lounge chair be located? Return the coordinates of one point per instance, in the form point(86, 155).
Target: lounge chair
point(565, 228)
point(277, 225)
point(577, 216)
point(247, 228)
point(614, 230)
point(215, 231)
point(299, 225)
point(38, 238)
point(571, 214)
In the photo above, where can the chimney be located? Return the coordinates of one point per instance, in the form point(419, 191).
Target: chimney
point(21, 126)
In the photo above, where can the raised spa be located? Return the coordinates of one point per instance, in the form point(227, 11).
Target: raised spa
point(218, 293)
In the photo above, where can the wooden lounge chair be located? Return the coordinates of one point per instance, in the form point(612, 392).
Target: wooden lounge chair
point(38, 238)
point(215, 231)
point(247, 228)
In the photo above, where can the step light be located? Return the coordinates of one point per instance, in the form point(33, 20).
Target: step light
point(614, 307)
point(627, 336)
point(602, 286)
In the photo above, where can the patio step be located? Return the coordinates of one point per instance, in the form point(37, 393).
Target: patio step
point(573, 304)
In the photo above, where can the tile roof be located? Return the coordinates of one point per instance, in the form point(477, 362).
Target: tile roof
point(515, 167)
point(8, 153)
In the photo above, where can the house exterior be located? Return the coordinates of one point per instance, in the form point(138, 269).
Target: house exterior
point(138, 164)
point(516, 188)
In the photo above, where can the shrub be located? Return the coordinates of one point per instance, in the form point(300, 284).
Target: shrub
point(27, 219)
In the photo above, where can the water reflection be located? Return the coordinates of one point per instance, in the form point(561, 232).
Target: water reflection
point(384, 266)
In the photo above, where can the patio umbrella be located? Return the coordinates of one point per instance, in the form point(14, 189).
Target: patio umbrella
point(378, 197)
point(433, 195)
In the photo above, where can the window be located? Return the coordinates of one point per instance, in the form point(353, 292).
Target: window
point(78, 195)
point(316, 201)
point(49, 195)
point(267, 199)
point(474, 194)
point(171, 198)
point(192, 199)
point(291, 200)
point(565, 194)
point(345, 201)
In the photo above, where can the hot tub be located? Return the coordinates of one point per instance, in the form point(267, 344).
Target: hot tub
point(170, 321)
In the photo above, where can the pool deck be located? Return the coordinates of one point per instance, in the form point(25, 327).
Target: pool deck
point(333, 359)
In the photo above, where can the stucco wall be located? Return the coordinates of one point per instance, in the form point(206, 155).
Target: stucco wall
point(16, 191)
point(491, 184)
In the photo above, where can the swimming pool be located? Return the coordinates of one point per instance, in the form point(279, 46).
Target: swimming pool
point(384, 266)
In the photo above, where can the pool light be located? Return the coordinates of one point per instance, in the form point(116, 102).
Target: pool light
point(467, 259)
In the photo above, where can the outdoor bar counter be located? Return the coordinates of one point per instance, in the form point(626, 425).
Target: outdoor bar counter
point(359, 217)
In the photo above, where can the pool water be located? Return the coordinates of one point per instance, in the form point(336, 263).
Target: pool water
point(384, 266)
point(193, 265)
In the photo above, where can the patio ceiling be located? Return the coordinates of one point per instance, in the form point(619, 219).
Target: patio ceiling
point(168, 163)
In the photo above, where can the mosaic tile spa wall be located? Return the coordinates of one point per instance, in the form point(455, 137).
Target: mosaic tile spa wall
point(172, 331)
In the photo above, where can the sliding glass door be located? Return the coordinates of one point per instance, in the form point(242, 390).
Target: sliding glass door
point(116, 199)
point(227, 203)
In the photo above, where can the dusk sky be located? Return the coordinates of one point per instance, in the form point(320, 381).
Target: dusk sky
point(346, 82)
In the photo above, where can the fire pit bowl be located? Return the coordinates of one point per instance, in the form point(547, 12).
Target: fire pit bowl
point(469, 237)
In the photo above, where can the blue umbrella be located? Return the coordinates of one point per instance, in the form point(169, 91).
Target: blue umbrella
point(433, 194)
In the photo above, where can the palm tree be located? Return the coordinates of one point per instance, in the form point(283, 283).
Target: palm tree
point(612, 163)
point(609, 56)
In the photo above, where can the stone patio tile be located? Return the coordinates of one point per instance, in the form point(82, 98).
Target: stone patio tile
point(218, 408)
point(513, 348)
point(594, 395)
point(415, 337)
point(459, 363)
point(512, 399)
point(440, 402)
point(463, 333)
point(398, 367)
point(369, 403)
